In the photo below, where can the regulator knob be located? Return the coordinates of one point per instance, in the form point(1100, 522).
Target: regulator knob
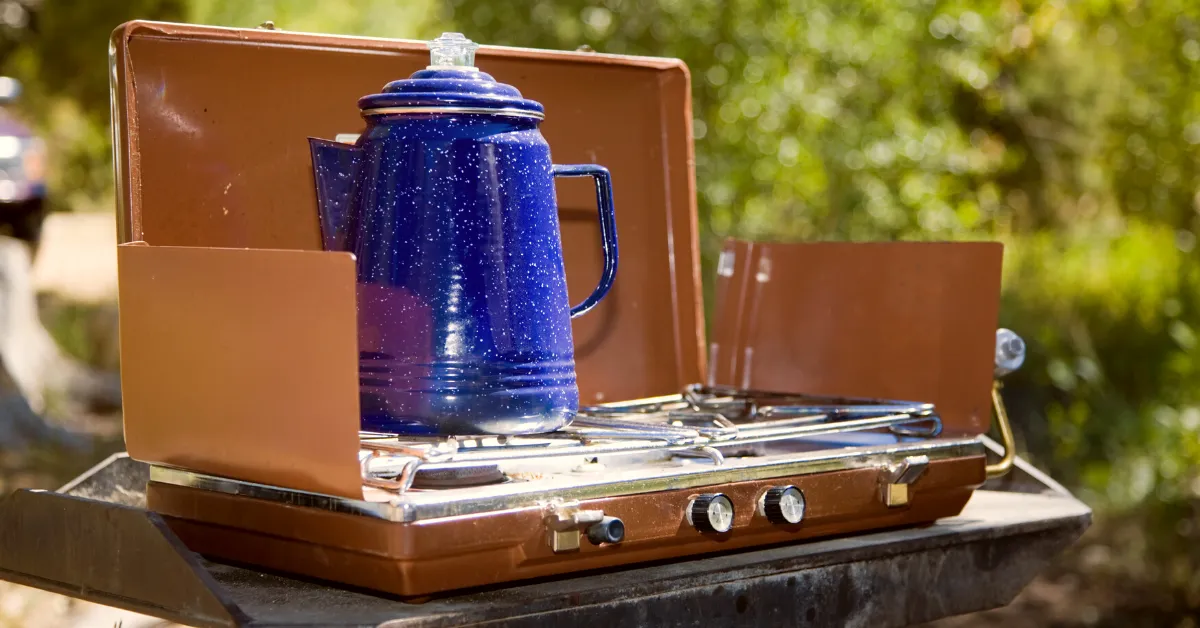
point(607, 530)
point(711, 512)
point(782, 505)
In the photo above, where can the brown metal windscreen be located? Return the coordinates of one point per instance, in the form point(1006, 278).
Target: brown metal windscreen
point(895, 320)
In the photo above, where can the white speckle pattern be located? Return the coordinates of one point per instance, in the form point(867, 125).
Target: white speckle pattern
point(463, 314)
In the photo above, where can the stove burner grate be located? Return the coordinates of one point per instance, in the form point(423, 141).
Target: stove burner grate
point(702, 421)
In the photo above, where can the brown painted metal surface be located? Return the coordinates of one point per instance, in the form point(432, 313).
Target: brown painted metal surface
point(458, 552)
point(208, 387)
point(895, 320)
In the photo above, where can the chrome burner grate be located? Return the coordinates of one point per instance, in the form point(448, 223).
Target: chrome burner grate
point(706, 422)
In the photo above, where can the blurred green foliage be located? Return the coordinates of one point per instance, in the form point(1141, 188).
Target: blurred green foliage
point(58, 50)
point(84, 331)
point(374, 18)
point(1068, 130)
point(1071, 131)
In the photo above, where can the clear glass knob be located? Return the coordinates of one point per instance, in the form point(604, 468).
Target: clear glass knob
point(452, 50)
point(1010, 352)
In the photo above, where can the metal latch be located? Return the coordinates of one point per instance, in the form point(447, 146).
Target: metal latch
point(564, 525)
point(895, 478)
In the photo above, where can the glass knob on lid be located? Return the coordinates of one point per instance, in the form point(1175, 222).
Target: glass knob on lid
point(452, 83)
point(452, 50)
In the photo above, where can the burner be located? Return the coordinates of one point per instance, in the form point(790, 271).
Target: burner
point(457, 476)
point(704, 423)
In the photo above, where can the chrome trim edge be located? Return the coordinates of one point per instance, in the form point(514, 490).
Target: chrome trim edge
point(292, 497)
point(424, 505)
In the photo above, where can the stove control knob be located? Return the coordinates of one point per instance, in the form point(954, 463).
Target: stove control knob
point(607, 530)
point(782, 505)
point(711, 512)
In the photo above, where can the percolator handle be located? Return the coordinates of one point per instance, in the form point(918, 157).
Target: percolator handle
point(608, 228)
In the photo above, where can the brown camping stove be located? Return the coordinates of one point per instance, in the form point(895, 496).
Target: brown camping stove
point(705, 471)
point(239, 356)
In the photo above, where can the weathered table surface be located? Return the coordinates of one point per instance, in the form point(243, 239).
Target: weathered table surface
point(94, 540)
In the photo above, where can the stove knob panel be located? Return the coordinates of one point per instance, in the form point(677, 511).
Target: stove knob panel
point(782, 504)
point(711, 512)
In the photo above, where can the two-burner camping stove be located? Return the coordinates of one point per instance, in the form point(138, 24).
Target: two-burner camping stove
point(240, 364)
point(704, 471)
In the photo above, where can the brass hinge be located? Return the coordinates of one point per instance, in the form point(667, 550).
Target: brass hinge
point(1006, 436)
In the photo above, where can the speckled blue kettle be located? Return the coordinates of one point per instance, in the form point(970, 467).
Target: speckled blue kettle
point(447, 200)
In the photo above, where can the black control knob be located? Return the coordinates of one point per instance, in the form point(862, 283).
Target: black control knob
point(711, 512)
point(607, 530)
point(782, 505)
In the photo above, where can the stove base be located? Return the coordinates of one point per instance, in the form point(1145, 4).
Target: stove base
point(435, 555)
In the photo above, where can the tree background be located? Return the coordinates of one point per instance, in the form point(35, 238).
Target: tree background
point(1068, 130)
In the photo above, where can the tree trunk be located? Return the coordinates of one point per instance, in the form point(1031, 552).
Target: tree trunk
point(33, 366)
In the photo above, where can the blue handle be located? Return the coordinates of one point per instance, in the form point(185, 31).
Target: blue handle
point(608, 229)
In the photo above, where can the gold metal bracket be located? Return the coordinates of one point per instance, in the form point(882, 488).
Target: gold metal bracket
point(564, 523)
point(1006, 436)
point(894, 480)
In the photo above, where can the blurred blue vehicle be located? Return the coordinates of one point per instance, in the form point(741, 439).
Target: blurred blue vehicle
point(22, 169)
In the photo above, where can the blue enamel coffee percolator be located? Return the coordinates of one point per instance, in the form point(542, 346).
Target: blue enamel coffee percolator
point(447, 200)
